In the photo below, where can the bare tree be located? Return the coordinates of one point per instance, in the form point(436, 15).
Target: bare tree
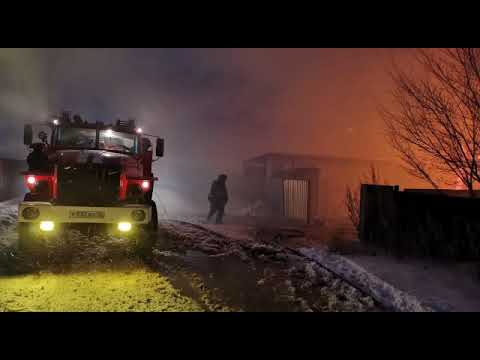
point(352, 196)
point(434, 124)
point(352, 202)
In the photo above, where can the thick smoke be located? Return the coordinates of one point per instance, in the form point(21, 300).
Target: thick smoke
point(214, 107)
point(23, 96)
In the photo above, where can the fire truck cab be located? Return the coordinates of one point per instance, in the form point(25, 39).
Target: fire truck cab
point(91, 173)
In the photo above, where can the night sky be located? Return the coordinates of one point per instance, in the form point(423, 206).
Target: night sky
point(214, 107)
point(217, 104)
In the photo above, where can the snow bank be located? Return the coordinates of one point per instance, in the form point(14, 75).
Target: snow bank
point(8, 214)
point(8, 220)
point(384, 293)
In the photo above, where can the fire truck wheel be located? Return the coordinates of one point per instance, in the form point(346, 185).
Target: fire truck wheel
point(27, 241)
point(145, 246)
point(153, 226)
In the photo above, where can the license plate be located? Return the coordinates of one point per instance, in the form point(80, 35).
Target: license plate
point(87, 214)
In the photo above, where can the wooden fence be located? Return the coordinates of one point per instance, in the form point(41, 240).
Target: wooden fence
point(420, 222)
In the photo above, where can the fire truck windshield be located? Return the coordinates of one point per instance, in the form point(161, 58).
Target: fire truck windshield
point(79, 138)
point(76, 138)
point(117, 141)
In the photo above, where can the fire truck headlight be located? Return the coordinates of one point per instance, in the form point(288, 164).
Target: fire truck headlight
point(124, 226)
point(47, 226)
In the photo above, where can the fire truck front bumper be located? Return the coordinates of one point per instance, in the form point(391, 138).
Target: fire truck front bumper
point(47, 215)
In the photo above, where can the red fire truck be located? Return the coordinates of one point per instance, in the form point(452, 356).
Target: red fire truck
point(91, 173)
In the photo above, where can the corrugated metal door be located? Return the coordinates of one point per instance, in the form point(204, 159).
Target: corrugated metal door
point(295, 199)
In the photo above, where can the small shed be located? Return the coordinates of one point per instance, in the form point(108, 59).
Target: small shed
point(310, 188)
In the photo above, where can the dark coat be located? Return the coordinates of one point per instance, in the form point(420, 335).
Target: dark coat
point(37, 160)
point(218, 192)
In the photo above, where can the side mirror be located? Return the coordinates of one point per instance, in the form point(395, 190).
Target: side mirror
point(28, 135)
point(160, 147)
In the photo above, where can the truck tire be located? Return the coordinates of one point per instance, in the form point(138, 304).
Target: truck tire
point(145, 245)
point(154, 222)
point(27, 241)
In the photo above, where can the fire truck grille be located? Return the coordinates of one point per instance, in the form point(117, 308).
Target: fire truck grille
point(88, 185)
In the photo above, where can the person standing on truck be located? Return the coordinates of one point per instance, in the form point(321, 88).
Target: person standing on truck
point(218, 198)
point(37, 160)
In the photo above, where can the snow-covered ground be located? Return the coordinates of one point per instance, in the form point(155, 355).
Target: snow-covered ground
point(405, 285)
point(448, 286)
point(411, 285)
point(386, 294)
point(294, 278)
point(90, 273)
point(197, 261)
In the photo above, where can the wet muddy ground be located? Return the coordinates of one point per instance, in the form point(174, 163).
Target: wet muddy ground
point(189, 270)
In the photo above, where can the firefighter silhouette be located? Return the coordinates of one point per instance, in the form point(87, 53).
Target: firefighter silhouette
point(37, 160)
point(218, 198)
